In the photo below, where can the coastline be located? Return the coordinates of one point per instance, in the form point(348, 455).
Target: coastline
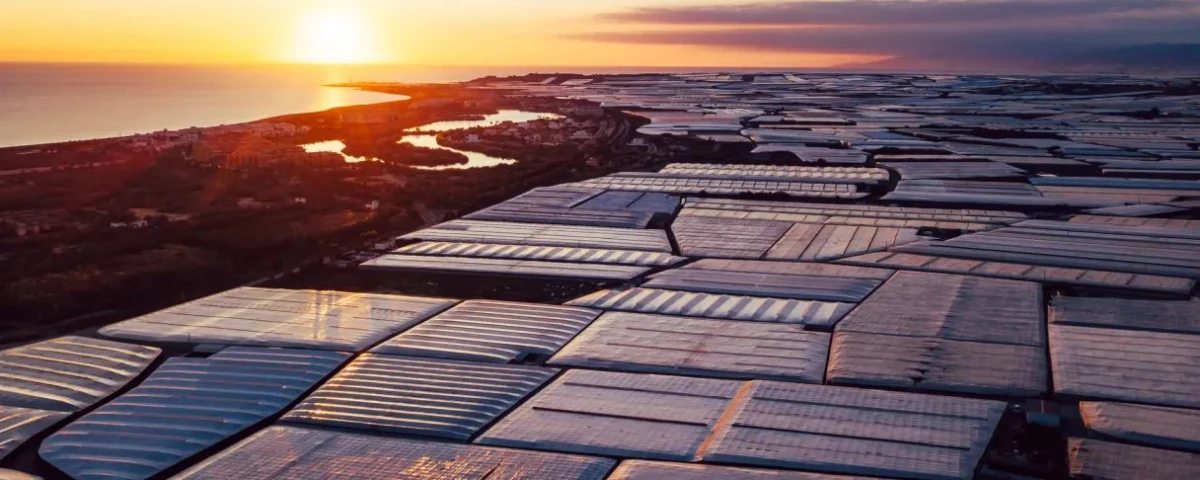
point(273, 118)
point(55, 104)
point(100, 219)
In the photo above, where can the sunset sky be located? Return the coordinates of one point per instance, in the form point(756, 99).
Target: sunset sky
point(577, 32)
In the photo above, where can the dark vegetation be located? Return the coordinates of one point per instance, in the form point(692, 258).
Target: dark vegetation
point(208, 228)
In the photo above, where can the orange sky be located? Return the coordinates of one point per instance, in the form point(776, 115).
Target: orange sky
point(442, 32)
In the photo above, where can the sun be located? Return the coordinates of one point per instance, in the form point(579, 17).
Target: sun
point(334, 37)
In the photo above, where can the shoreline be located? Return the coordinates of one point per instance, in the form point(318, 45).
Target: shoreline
point(219, 223)
point(5, 149)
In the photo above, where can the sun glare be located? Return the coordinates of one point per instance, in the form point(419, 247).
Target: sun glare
point(334, 37)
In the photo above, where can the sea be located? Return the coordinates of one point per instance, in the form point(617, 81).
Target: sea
point(47, 103)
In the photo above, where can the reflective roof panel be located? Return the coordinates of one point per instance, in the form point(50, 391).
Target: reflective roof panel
point(806, 287)
point(184, 407)
point(1024, 270)
point(1171, 428)
point(549, 254)
point(855, 175)
point(648, 470)
point(722, 238)
point(1125, 365)
point(18, 425)
point(1101, 460)
point(934, 364)
point(698, 347)
point(325, 320)
point(70, 373)
point(562, 216)
point(952, 307)
point(506, 267)
point(308, 454)
point(856, 431)
point(618, 414)
point(716, 306)
point(1179, 316)
point(492, 331)
point(1061, 244)
point(509, 233)
point(665, 183)
point(845, 214)
point(412, 396)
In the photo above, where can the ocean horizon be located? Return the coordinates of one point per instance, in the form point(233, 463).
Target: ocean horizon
point(47, 102)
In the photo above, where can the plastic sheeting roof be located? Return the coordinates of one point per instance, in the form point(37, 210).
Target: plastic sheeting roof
point(828, 242)
point(647, 470)
point(1100, 196)
point(648, 202)
point(20, 424)
point(307, 454)
point(935, 332)
point(1178, 233)
point(69, 373)
point(326, 320)
point(551, 254)
point(509, 233)
point(1025, 271)
point(857, 175)
point(184, 407)
point(1126, 365)
point(802, 269)
point(618, 414)
point(953, 307)
point(806, 287)
point(1173, 428)
point(989, 194)
point(721, 307)
point(664, 183)
point(1172, 223)
point(1061, 244)
point(562, 216)
point(816, 154)
point(727, 238)
point(503, 266)
point(856, 431)
point(721, 236)
point(698, 347)
point(842, 214)
point(1181, 316)
point(436, 398)
point(1100, 460)
point(950, 170)
point(557, 196)
point(937, 365)
point(6, 474)
point(492, 331)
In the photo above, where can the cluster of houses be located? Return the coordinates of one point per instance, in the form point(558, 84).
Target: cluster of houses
point(165, 139)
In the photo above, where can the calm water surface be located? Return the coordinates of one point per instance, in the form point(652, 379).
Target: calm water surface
point(474, 159)
point(43, 103)
point(429, 140)
point(334, 146)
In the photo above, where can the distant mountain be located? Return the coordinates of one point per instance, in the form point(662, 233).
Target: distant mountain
point(1152, 58)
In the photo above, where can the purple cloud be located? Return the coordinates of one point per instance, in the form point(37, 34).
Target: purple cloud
point(906, 28)
point(894, 12)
